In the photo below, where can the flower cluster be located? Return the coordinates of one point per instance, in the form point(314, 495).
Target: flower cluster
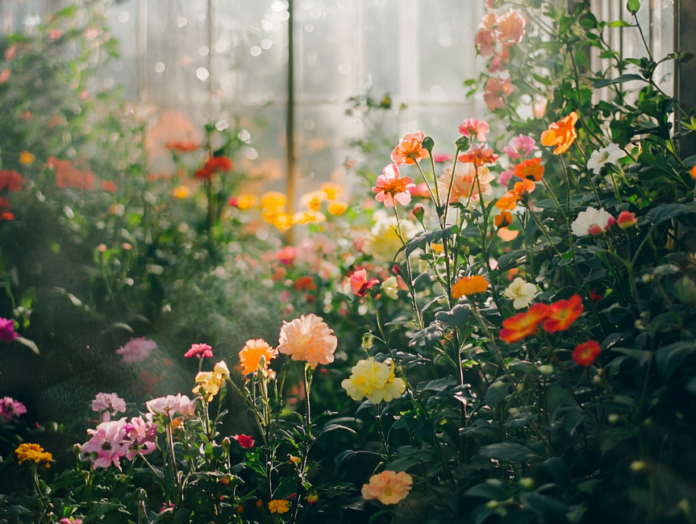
point(136, 350)
point(33, 453)
point(375, 381)
point(555, 317)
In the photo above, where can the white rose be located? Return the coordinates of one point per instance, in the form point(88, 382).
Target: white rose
point(521, 292)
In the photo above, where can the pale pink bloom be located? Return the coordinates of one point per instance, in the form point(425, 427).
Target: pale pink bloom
point(10, 408)
point(489, 21)
point(188, 409)
point(511, 27)
point(306, 252)
point(108, 401)
point(10, 53)
point(308, 338)
point(410, 149)
point(465, 183)
point(472, 127)
point(485, 40)
point(592, 222)
point(519, 146)
point(54, 34)
point(284, 296)
point(390, 188)
point(500, 60)
point(200, 351)
point(142, 433)
point(168, 405)
point(439, 159)
point(505, 176)
point(327, 270)
point(91, 33)
point(490, 4)
point(421, 190)
point(324, 244)
point(107, 444)
point(136, 350)
point(388, 487)
point(496, 89)
point(168, 506)
point(539, 106)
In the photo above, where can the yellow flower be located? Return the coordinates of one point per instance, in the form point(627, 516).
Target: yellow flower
point(295, 460)
point(282, 221)
point(33, 453)
point(309, 217)
point(246, 201)
point(337, 207)
point(331, 190)
point(313, 200)
point(437, 248)
point(181, 192)
point(25, 157)
point(212, 381)
point(279, 506)
point(374, 380)
point(273, 202)
point(384, 242)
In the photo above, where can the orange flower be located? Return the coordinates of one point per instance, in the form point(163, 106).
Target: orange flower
point(303, 283)
point(693, 172)
point(479, 156)
point(561, 134)
point(410, 149)
point(530, 169)
point(585, 354)
point(509, 200)
point(563, 313)
point(504, 219)
point(470, 286)
point(388, 487)
point(523, 325)
point(108, 185)
point(251, 353)
point(506, 234)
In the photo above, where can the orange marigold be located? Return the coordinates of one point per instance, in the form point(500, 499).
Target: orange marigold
point(563, 313)
point(585, 354)
point(470, 286)
point(251, 353)
point(530, 170)
point(561, 134)
point(523, 325)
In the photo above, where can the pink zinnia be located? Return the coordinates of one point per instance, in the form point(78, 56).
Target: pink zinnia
point(171, 404)
point(308, 338)
point(511, 27)
point(360, 284)
point(200, 351)
point(107, 444)
point(7, 332)
point(472, 127)
point(246, 441)
point(390, 188)
point(136, 350)
point(520, 145)
point(10, 408)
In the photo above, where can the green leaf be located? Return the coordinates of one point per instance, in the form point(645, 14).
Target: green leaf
point(422, 239)
point(496, 393)
point(669, 211)
point(440, 384)
point(669, 358)
point(492, 489)
point(546, 508)
point(509, 260)
point(640, 355)
point(633, 6)
point(508, 452)
point(618, 80)
point(619, 23)
point(458, 317)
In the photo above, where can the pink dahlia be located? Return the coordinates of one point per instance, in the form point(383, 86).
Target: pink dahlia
point(7, 332)
point(200, 351)
point(107, 445)
point(308, 338)
point(390, 188)
point(136, 350)
point(10, 408)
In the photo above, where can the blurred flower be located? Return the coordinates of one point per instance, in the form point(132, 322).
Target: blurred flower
point(107, 444)
point(561, 134)
point(306, 282)
point(246, 441)
point(420, 190)
point(136, 350)
point(375, 381)
point(10, 53)
point(7, 332)
point(25, 157)
point(519, 146)
point(246, 201)
point(507, 234)
point(474, 128)
point(212, 381)
point(10, 408)
point(281, 221)
point(182, 147)
point(390, 287)
point(11, 180)
point(170, 405)
point(594, 297)
point(251, 353)
point(439, 159)
point(607, 155)
point(384, 242)
point(410, 149)
point(309, 216)
point(505, 177)
point(273, 202)
point(286, 255)
point(279, 506)
point(465, 187)
point(585, 354)
point(479, 155)
point(485, 41)
point(313, 498)
point(560, 315)
point(495, 90)
point(524, 324)
point(331, 190)
point(54, 34)
point(106, 402)
point(693, 172)
point(308, 338)
point(359, 283)
point(500, 60)
point(4, 76)
point(313, 200)
point(626, 220)
point(388, 487)
point(511, 27)
point(337, 208)
point(470, 286)
point(108, 185)
point(69, 176)
point(181, 192)
point(199, 351)
point(530, 169)
point(521, 292)
point(589, 219)
point(390, 188)
point(539, 106)
point(214, 165)
point(33, 453)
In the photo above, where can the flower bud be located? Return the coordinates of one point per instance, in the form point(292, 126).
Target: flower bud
point(396, 269)
point(259, 503)
point(233, 202)
point(627, 220)
point(546, 370)
point(492, 504)
point(225, 481)
point(428, 144)
point(596, 230)
point(240, 509)
point(418, 212)
point(312, 499)
point(614, 418)
point(647, 278)
point(368, 340)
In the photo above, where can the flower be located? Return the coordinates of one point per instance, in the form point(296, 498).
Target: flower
point(410, 149)
point(495, 90)
point(212, 381)
point(521, 292)
point(383, 241)
point(594, 297)
point(465, 187)
point(313, 200)
point(336, 208)
point(171, 404)
point(69, 176)
point(523, 325)
point(626, 220)
point(11, 180)
point(308, 216)
point(246, 201)
point(281, 221)
point(511, 27)
point(439, 159)
point(308, 338)
point(388, 487)
point(200, 351)
point(11, 53)
point(306, 282)
point(504, 219)
point(182, 147)
point(470, 286)
point(246, 441)
point(607, 155)
point(279, 506)
point(520, 145)
point(4, 76)
point(360, 284)
point(509, 200)
point(7, 332)
point(479, 155)
point(33, 453)
point(420, 190)
point(251, 353)
point(500, 60)
point(390, 287)
point(591, 221)
point(109, 401)
point(213, 165)
point(561, 134)
point(273, 201)
point(331, 190)
point(136, 350)
point(693, 172)
point(10, 408)
point(485, 41)
point(562, 314)
point(108, 185)
point(107, 445)
point(25, 157)
point(70, 520)
point(374, 380)
point(286, 255)
point(141, 433)
point(585, 354)
point(390, 188)
point(505, 177)
point(530, 170)
point(473, 127)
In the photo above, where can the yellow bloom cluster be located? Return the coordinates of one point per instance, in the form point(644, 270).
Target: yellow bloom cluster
point(273, 204)
point(374, 380)
point(212, 381)
point(33, 453)
point(279, 506)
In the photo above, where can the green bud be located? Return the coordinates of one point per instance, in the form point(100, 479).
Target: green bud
point(428, 144)
point(492, 504)
point(368, 340)
point(226, 443)
point(546, 370)
point(638, 466)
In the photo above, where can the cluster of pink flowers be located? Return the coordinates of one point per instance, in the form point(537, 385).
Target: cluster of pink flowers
point(497, 33)
point(7, 332)
point(199, 351)
point(172, 404)
point(136, 350)
point(10, 408)
point(115, 439)
point(108, 401)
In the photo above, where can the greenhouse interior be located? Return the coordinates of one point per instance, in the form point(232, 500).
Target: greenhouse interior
point(349, 261)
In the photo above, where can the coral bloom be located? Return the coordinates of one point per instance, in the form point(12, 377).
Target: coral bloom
point(626, 220)
point(10, 408)
point(511, 27)
point(562, 314)
point(465, 186)
point(520, 145)
point(108, 185)
point(388, 487)
point(33, 453)
point(561, 134)
point(495, 90)
point(359, 283)
point(11, 180)
point(472, 127)
point(390, 188)
point(279, 506)
point(509, 200)
point(530, 170)
point(213, 165)
point(136, 350)
point(410, 149)
point(251, 353)
point(585, 354)
point(470, 286)
point(523, 325)
point(199, 351)
point(504, 219)
point(308, 338)
point(374, 380)
point(421, 190)
point(478, 155)
point(304, 283)
point(69, 176)
point(212, 381)
point(182, 147)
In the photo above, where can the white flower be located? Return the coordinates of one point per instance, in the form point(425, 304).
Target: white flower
point(607, 155)
point(390, 287)
point(588, 219)
point(384, 242)
point(522, 293)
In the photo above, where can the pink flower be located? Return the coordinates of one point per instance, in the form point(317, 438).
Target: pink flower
point(7, 332)
point(626, 220)
point(4, 76)
point(496, 89)
point(465, 185)
point(511, 27)
point(485, 40)
point(505, 176)
point(500, 60)
point(10, 408)
point(10, 53)
point(142, 433)
point(286, 255)
point(136, 350)
point(390, 188)
point(473, 127)
point(539, 107)
point(170, 405)
point(308, 338)
point(360, 284)
point(107, 444)
point(284, 296)
point(410, 149)
point(388, 487)
point(439, 159)
point(169, 506)
point(520, 145)
point(421, 190)
point(108, 401)
point(200, 351)
point(54, 34)
point(246, 441)
point(68, 521)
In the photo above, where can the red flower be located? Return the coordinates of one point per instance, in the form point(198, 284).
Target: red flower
point(6, 215)
point(360, 284)
point(200, 351)
point(108, 185)
point(233, 202)
point(303, 283)
point(213, 165)
point(594, 296)
point(12, 180)
point(563, 313)
point(69, 176)
point(182, 147)
point(585, 354)
point(246, 441)
point(523, 325)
